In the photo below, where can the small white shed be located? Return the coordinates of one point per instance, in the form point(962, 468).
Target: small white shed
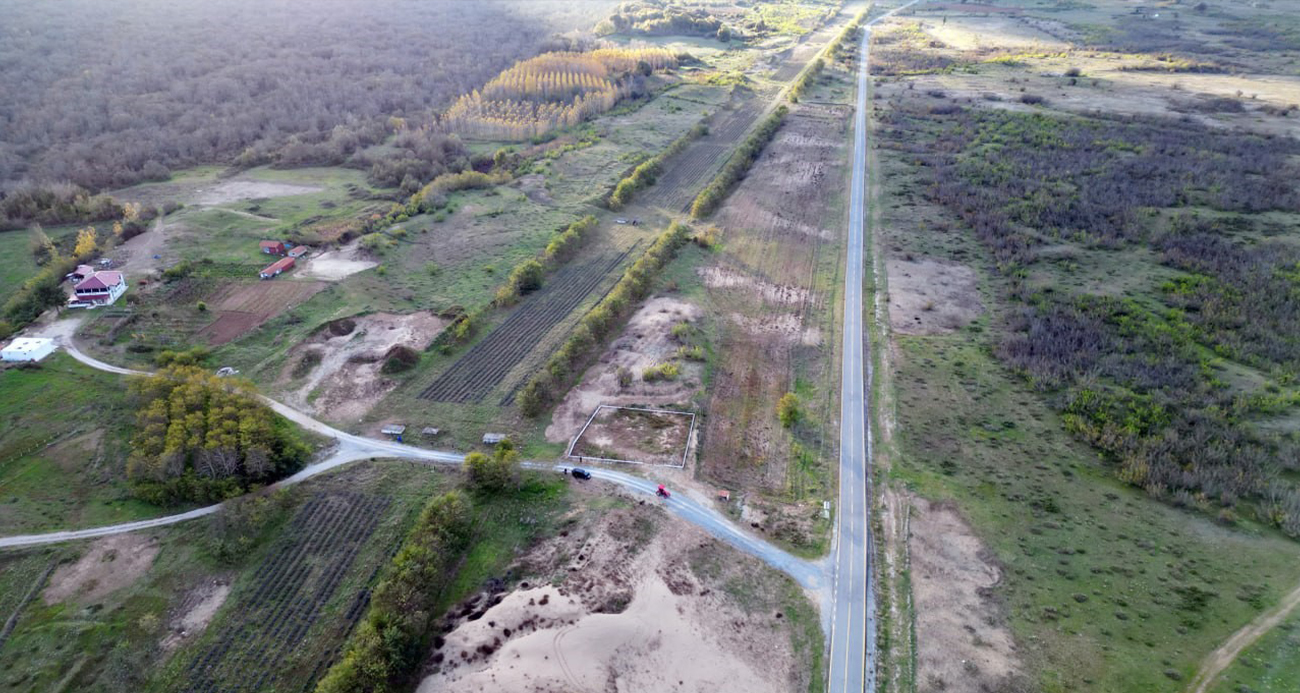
point(27, 349)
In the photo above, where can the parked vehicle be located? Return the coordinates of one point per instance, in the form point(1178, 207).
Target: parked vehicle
point(580, 473)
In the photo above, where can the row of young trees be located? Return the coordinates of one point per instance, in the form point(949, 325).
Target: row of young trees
point(738, 165)
point(387, 648)
point(553, 90)
point(202, 438)
point(647, 172)
point(599, 323)
point(528, 275)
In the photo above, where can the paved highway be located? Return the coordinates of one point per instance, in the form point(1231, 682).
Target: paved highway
point(853, 607)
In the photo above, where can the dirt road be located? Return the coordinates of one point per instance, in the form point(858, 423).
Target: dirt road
point(1222, 658)
point(352, 448)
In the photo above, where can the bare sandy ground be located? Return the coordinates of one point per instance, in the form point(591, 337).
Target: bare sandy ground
point(336, 264)
point(236, 190)
point(195, 612)
point(973, 33)
point(347, 381)
point(675, 632)
point(646, 341)
point(718, 277)
point(962, 642)
point(931, 297)
point(108, 565)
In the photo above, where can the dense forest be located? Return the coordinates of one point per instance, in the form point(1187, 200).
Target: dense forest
point(108, 93)
point(1138, 377)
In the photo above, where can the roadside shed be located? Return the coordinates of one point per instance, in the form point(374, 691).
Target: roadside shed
point(493, 438)
point(393, 430)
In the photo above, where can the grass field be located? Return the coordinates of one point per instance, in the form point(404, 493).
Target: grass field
point(63, 448)
point(1271, 665)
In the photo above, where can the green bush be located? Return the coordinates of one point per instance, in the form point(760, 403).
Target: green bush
point(495, 473)
point(787, 410)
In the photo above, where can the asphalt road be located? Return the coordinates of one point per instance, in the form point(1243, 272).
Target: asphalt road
point(351, 448)
point(851, 661)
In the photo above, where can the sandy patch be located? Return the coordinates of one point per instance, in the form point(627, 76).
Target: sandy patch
point(786, 325)
point(236, 190)
point(931, 297)
point(646, 341)
point(347, 379)
point(974, 33)
point(641, 608)
point(962, 641)
point(195, 612)
point(337, 264)
point(648, 437)
point(716, 277)
point(108, 565)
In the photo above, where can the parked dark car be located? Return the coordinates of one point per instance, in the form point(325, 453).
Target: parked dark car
point(580, 473)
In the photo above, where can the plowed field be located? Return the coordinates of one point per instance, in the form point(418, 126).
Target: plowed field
point(243, 306)
point(473, 376)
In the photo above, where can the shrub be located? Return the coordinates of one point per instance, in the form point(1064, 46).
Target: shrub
point(494, 473)
point(787, 410)
point(399, 359)
point(662, 371)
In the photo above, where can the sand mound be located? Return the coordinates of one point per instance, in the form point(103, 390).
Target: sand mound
point(107, 566)
point(668, 633)
point(195, 612)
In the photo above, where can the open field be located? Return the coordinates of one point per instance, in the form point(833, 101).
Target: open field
point(1101, 580)
point(197, 604)
point(63, 448)
point(286, 596)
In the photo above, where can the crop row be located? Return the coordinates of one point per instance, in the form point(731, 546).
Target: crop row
point(288, 593)
point(485, 365)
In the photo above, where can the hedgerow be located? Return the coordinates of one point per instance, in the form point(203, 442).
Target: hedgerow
point(645, 174)
point(599, 323)
point(738, 165)
point(385, 651)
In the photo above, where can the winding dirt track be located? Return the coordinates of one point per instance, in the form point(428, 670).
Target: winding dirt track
point(1222, 658)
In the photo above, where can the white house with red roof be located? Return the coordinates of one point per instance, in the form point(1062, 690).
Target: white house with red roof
point(99, 289)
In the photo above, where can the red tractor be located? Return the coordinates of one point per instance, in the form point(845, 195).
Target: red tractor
point(663, 492)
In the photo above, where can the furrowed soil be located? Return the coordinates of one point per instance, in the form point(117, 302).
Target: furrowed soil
point(770, 292)
point(627, 598)
point(242, 307)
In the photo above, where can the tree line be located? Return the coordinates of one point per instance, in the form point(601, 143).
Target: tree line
point(647, 172)
point(738, 165)
point(545, 387)
point(553, 90)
